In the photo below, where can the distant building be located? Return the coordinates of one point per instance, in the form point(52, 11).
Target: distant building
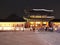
point(56, 24)
point(38, 17)
point(12, 23)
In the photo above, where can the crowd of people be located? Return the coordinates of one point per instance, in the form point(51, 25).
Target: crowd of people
point(42, 29)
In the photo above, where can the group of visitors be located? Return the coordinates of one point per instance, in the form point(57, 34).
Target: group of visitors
point(42, 28)
point(47, 29)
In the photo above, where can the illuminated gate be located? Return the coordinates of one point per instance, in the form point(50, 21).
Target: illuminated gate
point(38, 17)
point(38, 24)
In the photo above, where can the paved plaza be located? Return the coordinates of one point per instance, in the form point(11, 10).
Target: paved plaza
point(29, 38)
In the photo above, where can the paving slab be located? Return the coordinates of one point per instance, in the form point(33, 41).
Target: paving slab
point(29, 38)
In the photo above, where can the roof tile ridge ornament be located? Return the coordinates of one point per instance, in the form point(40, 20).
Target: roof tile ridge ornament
point(43, 10)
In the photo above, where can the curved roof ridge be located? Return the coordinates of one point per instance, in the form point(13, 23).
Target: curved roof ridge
point(42, 10)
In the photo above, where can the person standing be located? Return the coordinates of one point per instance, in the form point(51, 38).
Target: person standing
point(33, 29)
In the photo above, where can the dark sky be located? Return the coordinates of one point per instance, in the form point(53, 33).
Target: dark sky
point(17, 6)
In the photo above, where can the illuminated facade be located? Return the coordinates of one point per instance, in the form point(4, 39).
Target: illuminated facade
point(38, 17)
point(33, 18)
point(56, 24)
point(12, 23)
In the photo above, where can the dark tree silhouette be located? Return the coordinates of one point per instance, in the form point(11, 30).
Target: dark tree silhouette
point(14, 17)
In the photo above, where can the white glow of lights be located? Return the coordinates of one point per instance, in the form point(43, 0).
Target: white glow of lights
point(42, 10)
point(17, 28)
point(55, 28)
point(36, 25)
point(32, 22)
point(37, 22)
point(44, 22)
point(0, 28)
point(22, 28)
point(7, 28)
point(50, 17)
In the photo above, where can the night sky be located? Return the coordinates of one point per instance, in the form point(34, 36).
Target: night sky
point(8, 7)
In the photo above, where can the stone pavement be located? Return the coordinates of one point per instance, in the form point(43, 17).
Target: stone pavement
point(29, 38)
point(52, 38)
